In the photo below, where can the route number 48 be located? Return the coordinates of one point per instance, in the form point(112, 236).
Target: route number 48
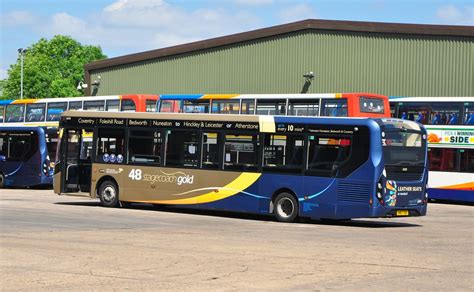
point(135, 174)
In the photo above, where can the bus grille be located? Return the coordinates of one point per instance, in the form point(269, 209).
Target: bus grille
point(353, 192)
point(412, 173)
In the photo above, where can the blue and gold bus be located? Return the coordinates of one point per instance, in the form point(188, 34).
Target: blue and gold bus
point(335, 168)
point(24, 157)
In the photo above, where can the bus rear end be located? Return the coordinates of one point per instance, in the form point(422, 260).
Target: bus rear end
point(367, 105)
point(24, 159)
point(139, 103)
point(401, 188)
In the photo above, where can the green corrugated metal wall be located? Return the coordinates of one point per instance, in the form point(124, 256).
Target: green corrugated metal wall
point(343, 62)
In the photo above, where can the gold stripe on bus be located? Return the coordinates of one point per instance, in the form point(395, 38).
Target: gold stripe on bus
point(267, 124)
point(218, 96)
point(24, 101)
point(239, 184)
point(338, 95)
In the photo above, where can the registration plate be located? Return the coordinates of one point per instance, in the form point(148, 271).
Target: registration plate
point(402, 213)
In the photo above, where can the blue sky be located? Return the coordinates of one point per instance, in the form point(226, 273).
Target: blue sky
point(130, 26)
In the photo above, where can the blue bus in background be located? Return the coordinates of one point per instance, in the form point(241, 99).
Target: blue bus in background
point(24, 157)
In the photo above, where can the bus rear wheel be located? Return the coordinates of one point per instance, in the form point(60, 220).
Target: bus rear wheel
point(109, 194)
point(2, 180)
point(285, 208)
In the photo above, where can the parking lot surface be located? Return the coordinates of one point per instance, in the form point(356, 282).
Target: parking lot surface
point(50, 242)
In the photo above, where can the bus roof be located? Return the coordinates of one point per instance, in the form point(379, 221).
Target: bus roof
point(20, 128)
point(260, 96)
point(431, 99)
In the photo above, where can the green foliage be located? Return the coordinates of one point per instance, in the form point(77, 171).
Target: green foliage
point(2, 86)
point(51, 68)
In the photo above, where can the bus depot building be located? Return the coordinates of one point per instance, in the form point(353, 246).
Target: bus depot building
point(309, 56)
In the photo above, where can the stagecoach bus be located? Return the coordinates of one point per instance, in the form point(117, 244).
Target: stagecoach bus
point(335, 105)
point(24, 158)
point(46, 111)
point(291, 167)
point(450, 125)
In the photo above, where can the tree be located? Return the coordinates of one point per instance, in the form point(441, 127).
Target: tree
point(51, 69)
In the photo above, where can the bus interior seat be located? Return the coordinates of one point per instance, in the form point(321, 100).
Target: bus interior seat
point(404, 116)
point(470, 119)
point(420, 118)
point(411, 116)
point(454, 119)
point(436, 119)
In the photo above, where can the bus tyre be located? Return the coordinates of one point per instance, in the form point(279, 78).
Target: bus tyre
point(109, 194)
point(285, 207)
point(2, 180)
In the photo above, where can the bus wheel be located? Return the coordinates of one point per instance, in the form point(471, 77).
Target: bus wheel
point(109, 194)
point(2, 180)
point(286, 208)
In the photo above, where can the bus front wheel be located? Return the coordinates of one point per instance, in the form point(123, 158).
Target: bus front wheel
point(285, 207)
point(2, 180)
point(109, 194)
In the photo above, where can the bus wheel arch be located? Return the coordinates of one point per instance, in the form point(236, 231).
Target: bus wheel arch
point(108, 191)
point(284, 205)
point(2, 180)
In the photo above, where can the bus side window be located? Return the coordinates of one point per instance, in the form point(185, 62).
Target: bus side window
point(248, 107)
point(35, 112)
point(145, 146)
point(75, 105)
point(110, 147)
point(3, 146)
point(241, 151)
point(151, 105)
point(94, 105)
point(210, 150)
point(271, 107)
point(467, 160)
point(283, 153)
point(2, 108)
point(302, 107)
point(169, 106)
point(195, 106)
point(225, 106)
point(442, 159)
point(182, 148)
point(112, 105)
point(55, 109)
point(327, 154)
point(15, 113)
point(22, 146)
point(334, 107)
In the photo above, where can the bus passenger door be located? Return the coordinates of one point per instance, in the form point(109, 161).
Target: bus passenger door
point(76, 172)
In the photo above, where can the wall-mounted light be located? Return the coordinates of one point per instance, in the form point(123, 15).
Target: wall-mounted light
point(309, 76)
point(81, 85)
